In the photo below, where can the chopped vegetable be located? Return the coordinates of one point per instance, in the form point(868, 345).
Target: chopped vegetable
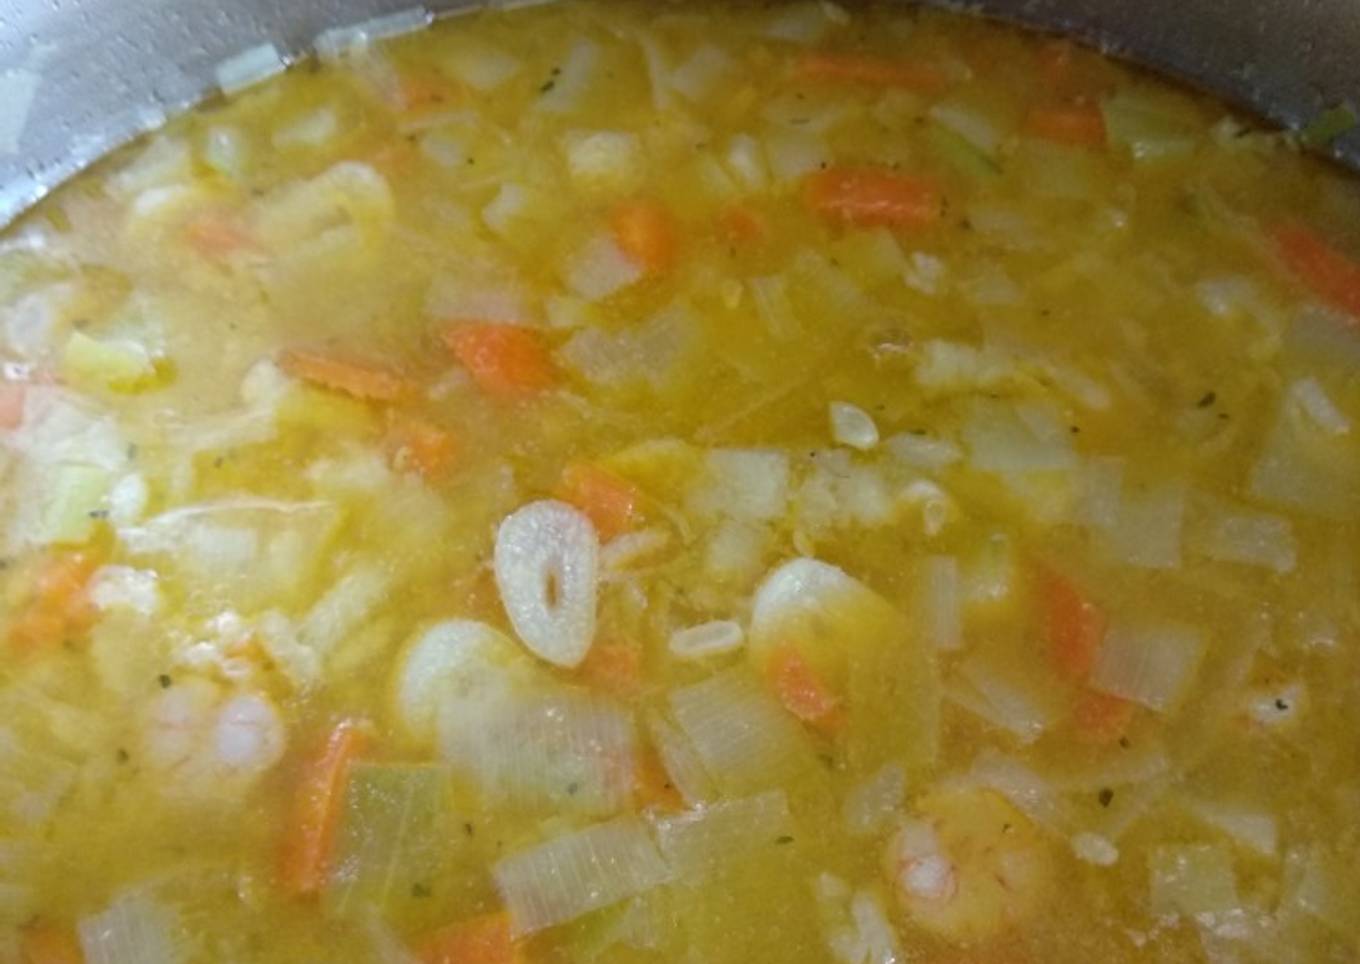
point(645, 231)
point(1149, 664)
point(1332, 275)
point(853, 426)
point(359, 380)
point(58, 606)
point(507, 362)
point(615, 668)
point(706, 639)
point(417, 444)
point(1193, 879)
point(872, 196)
point(308, 849)
point(610, 502)
point(1102, 719)
point(698, 842)
point(802, 692)
point(43, 943)
point(1078, 125)
point(869, 71)
point(1073, 624)
point(134, 929)
point(480, 940)
point(546, 560)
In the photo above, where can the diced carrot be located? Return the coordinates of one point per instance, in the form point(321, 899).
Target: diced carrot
point(611, 503)
point(653, 787)
point(1333, 276)
point(419, 445)
point(306, 852)
point(870, 71)
point(1102, 719)
point(480, 940)
point(425, 91)
point(873, 196)
point(802, 691)
point(740, 224)
point(42, 943)
point(1073, 625)
point(613, 667)
point(645, 230)
point(59, 605)
point(362, 380)
point(1078, 125)
point(217, 236)
point(506, 361)
point(12, 395)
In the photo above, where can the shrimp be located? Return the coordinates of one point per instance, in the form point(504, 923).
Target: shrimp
point(968, 865)
point(210, 741)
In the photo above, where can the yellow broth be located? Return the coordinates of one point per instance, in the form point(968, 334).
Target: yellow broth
point(988, 406)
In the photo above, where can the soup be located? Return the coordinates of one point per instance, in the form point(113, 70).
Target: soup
point(606, 483)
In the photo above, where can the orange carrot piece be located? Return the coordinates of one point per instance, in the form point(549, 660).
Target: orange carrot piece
point(12, 395)
point(425, 91)
point(873, 196)
point(305, 856)
point(611, 503)
point(869, 71)
point(1073, 625)
point(1078, 125)
point(645, 231)
point(506, 361)
point(362, 380)
point(42, 943)
point(59, 605)
point(1333, 276)
point(802, 691)
point(653, 787)
point(217, 236)
point(1101, 719)
point(480, 940)
point(614, 667)
point(741, 225)
point(417, 444)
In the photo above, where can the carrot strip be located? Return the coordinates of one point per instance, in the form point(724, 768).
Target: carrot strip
point(873, 196)
point(12, 396)
point(613, 667)
point(480, 940)
point(1333, 276)
point(362, 380)
point(1073, 625)
point(49, 944)
point(609, 501)
point(306, 852)
point(418, 445)
point(1101, 719)
point(59, 605)
point(506, 361)
point(741, 225)
point(802, 691)
point(1078, 125)
point(869, 71)
point(645, 231)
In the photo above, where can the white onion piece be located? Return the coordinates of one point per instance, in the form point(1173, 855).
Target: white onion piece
point(1192, 880)
point(939, 602)
point(1148, 533)
point(1095, 849)
point(706, 639)
point(571, 875)
point(770, 293)
point(698, 75)
point(1029, 792)
point(344, 607)
point(798, 589)
point(749, 485)
point(336, 42)
point(1252, 539)
point(453, 659)
point(852, 426)
point(922, 451)
point(573, 79)
point(794, 153)
point(698, 842)
point(682, 764)
point(1314, 402)
point(1151, 665)
point(1003, 698)
point(546, 561)
point(1319, 882)
point(134, 929)
point(869, 806)
point(1253, 829)
point(599, 269)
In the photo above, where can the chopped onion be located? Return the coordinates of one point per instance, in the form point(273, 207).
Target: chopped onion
point(697, 842)
point(771, 296)
point(745, 160)
point(852, 426)
point(572, 79)
point(799, 23)
point(1149, 126)
point(705, 69)
point(599, 269)
point(950, 367)
point(643, 356)
point(609, 161)
point(1006, 439)
point(1308, 470)
point(922, 451)
point(1101, 500)
point(794, 153)
point(1095, 849)
point(482, 66)
point(869, 806)
point(452, 660)
point(989, 571)
point(706, 639)
point(682, 764)
point(345, 607)
point(631, 548)
point(743, 737)
point(1149, 664)
point(748, 485)
point(571, 875)
point(312, 129)
point(1029, 792)
point(1191, 880)
point(1314, 402)
point(1148, 533)
point(545, 560)
point(134, 929)
point(736, 552)
point(557, 750)
point(1253, 829)
point(840, 491)
point(504, 211)
point(123, 587)
point(1323, 884)
point(249, 68)
point(1250, 538)
point(968, 122)
point(337, 42)
point(1003, 698)
point(938, 602)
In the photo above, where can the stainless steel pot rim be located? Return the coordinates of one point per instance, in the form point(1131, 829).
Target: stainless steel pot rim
point(79, 78)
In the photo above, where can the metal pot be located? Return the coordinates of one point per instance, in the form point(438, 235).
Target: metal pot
point(81, 77)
